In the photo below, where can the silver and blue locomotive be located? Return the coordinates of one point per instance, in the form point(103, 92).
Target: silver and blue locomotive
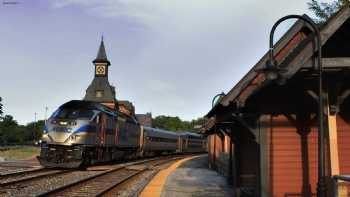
point(80, 133)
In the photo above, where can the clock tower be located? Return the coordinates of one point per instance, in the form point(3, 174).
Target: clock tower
point(100, 90)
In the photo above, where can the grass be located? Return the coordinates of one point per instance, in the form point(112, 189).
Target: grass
point(20, 153)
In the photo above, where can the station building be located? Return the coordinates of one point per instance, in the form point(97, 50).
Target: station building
point(263, 133)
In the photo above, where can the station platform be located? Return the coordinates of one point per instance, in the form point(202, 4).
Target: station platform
point(188, 177)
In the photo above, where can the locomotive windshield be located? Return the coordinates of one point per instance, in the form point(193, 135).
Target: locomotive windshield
point(71, 113)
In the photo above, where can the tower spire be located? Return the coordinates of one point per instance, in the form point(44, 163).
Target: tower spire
point(101, 54)
point(100, 90)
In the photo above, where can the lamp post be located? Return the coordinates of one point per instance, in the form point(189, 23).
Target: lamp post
point(220, 94)
point(272, 66)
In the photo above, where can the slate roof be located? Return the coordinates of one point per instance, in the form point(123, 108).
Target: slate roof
point(101, 54)
point(101, 83)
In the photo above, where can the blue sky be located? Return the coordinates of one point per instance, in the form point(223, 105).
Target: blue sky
point(168, 56)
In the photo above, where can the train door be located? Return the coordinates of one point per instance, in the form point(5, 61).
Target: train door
point(117, 130)
point(101, 131)
point(110, 131)
point(184, 144)
point(133, 132)
point(179, 144)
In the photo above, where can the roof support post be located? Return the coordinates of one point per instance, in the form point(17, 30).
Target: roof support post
point(333, 139)
point(230, 166)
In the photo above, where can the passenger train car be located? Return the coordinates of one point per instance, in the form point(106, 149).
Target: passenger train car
point(80, 133)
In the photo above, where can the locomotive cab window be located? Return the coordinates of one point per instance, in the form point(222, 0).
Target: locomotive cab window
point(71, 113)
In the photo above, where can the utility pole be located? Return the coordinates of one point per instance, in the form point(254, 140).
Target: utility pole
point(45, 118)
point(34, 130)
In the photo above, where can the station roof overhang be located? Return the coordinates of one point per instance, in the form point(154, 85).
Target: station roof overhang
point(294, 52)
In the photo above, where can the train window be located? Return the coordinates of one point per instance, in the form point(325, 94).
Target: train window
point(68, 113)
point(160, 139)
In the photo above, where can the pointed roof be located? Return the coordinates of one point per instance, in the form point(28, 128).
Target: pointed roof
point(101, 54)
point(295, 53)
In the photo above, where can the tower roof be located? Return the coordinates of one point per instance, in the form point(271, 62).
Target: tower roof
point(101, 54)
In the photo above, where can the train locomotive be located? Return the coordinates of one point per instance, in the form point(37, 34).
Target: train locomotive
point(81, 133)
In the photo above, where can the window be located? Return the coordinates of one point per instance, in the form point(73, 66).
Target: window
point(71, 113)
point(159, 139)
point(99, 93)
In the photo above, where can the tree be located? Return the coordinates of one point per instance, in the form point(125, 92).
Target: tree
point(8, 121)
point(176, 124)
point(9, 130)
point(324, 11)
point(13, 133)
point(34, 130)
point(1, 110)
point(170, 123)
point(197, 123)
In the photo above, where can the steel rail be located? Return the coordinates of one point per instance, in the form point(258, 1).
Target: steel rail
point(124, 167)
point(120, 182)
point(30, 178)
point(133, 175)
point(64, 187)
point(6, 175)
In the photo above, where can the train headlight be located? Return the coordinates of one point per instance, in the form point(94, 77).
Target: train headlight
point(45, 137)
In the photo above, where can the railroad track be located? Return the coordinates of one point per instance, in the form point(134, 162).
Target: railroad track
point(20, 172)
point(25, 176)
point(101, 184)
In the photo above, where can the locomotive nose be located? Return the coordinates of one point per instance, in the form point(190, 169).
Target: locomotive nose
point(60, 133)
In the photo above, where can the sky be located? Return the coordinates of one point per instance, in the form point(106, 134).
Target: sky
point(168, 57)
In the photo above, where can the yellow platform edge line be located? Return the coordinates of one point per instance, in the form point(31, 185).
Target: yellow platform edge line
point(155, 186)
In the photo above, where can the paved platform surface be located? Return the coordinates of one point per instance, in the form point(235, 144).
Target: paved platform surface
point(189, 178)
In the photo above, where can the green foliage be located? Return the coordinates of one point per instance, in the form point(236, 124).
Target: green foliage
point(176, 124)
point(35, 130)
point(170, 123)
point(13, 133)
point(1, 110)
point(324, 11)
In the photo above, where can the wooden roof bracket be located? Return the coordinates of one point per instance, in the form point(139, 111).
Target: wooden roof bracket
point(244, 123)
point(334, 107)
point(340, 100)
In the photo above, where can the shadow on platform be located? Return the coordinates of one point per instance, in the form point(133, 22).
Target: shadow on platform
point(193, 178)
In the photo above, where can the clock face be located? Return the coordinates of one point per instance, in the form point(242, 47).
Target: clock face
point(100, 70)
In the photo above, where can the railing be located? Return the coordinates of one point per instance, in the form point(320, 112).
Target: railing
point(341, 185)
